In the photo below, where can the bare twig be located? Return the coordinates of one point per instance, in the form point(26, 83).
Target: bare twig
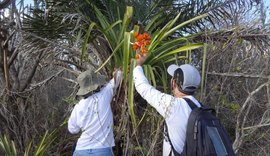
point(32, 73)
point(239, 131)
point(256, 126)
point(33, 86)
point(53, 43)
point(239, 75)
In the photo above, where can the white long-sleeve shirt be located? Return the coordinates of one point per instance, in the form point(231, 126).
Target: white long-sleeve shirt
point(93, 116)
point(175, 110)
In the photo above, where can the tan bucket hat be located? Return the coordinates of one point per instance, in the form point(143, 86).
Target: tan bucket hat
point(89, 81)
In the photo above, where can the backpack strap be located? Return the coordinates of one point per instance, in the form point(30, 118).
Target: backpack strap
point(190, 148)
point(191, 134)
point(191, 104)
point(173, 151)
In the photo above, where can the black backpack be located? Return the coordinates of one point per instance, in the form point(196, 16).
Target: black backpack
point(205, 135)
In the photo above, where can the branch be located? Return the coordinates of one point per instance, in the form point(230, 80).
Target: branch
point(53, 43)
point(256, 126)
point(239, 131)
point(5, 4)
point(13, 56)
point(33, 86)
point(70, 62)
point(32, 73)
point(238, 75)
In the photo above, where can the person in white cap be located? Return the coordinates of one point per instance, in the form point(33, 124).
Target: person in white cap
point(185, 80)
point(93, 115)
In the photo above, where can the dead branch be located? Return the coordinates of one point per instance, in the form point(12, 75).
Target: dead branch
point(256, 126)
point(32, 73)
point(33, 86)
point(53, 43)
point(5, 3)
point(240, 130)
point(239, 75)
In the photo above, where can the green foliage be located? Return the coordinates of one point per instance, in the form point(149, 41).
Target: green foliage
point(45, 143)
point(8, 146)
point(234, 107)
point(70, 101)
point(46, 20)
point(131, 94)
point(162, 49)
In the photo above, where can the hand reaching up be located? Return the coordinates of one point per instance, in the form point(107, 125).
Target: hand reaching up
point(141, 59)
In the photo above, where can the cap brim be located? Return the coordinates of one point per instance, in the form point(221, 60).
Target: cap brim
point(172, 68)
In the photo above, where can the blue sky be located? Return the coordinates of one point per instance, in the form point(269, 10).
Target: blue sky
point(267, 6)
point(28, 1)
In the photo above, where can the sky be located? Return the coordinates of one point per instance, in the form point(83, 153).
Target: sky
point(267, 7)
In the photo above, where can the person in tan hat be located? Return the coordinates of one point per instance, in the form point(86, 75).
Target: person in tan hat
point(93, 115)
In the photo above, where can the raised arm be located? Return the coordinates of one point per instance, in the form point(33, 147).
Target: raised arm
point(160, 101)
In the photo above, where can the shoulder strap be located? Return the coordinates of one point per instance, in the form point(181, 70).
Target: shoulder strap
point(191, 104)
point(191, 128)
point(167, 135)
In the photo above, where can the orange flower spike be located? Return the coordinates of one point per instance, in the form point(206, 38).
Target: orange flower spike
point(136, 34)
point(143, 49)
point(142, 40)
point(135, 47)
point(139, 38)
point(145, 35)
point(146, 43)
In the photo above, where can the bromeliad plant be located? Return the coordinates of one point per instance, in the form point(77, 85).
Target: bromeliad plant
point(162, 48)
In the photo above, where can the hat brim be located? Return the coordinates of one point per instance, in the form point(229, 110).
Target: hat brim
point(81, 92)
point(172, 68)
point(85, 90)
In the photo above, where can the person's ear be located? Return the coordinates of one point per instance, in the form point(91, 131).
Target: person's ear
point(173, 83)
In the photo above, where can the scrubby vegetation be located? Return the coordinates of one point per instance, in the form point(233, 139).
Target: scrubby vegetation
point(46, 45)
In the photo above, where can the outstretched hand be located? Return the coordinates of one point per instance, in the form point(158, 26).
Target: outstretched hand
point(141, 59)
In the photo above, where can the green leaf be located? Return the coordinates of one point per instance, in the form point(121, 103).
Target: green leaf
point(152, 76)
point(184, 23)
point(27, 151)
point(203, 69)
point(154, 20)
point(86, 40)
point(126, 52)
point(126, 20)
point(113, 53)
point(112, 25)
point(131, 94)
point(178, 50)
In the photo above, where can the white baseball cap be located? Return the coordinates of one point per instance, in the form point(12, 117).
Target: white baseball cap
point(187, 77)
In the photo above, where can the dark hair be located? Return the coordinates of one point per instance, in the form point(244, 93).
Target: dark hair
point(179, 78)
